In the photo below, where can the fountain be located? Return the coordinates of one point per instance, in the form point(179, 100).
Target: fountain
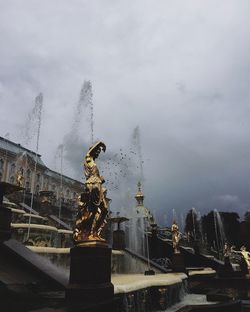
point(137, 144)
point(219, 232)
point(132, 291)
point(73, 140)
point(35, 115)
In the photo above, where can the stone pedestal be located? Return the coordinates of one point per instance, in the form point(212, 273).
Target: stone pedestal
point(118, 240)
point(178, 264)
point(90, 275)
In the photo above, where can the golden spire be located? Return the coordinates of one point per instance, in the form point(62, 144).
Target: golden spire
point(139, 195)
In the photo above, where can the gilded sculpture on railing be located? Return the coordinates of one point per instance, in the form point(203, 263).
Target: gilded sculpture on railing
point(20, 178)
point(93, 203)
point(175, 237)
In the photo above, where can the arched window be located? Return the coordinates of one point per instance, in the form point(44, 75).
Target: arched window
point(37, 188)
point(12, 168)
point(28, 173)
point(38, 177)
point(27, 185)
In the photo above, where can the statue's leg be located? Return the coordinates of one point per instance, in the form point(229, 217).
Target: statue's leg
point(100, 222)
point(92, 222)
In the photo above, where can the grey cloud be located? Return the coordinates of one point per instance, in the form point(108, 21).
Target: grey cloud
point(179, 70)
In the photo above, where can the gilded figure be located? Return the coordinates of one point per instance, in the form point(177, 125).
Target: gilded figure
point(92, 203)
point(20, 177)
point(175, 237)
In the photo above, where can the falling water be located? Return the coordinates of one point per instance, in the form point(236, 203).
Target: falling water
point(60, 150)
point(137, 145)
point(136, 239)
point(91, 114)
point(193, 219)
point(174, 215)
point(37, 115)
point(182, 222)
point(86, 101)
point(32, 120)
point(219, 231)
point(7, 137)
point(200, 226)
point(165, 219)
point(81, 133)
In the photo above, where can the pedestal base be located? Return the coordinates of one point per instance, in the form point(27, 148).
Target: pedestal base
point(90, 275)
point(118, 240)
point(178, 264)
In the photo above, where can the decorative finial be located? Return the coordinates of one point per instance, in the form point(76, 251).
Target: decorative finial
point(139, 195)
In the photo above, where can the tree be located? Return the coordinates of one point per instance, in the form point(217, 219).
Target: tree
point(231, 225)
point(244, 236)
point(209, 228)
point(229, 232)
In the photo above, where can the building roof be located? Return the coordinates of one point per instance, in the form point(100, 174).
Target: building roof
point(57, 176)
point(15, 148)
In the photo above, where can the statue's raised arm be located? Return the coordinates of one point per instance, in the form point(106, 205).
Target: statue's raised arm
point(96, 149)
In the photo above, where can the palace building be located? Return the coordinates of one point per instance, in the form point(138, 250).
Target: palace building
point(19, 165)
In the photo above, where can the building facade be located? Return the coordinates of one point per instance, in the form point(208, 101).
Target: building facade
point(19, 165)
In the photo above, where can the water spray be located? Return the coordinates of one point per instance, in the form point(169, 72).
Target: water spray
point(37, 112)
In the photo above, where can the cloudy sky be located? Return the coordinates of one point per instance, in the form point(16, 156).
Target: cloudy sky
point(180, 70)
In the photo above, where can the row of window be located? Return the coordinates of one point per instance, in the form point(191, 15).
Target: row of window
point(52, 187)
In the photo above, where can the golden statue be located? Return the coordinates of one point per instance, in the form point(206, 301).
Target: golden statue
point(20, 178)
point(175, 237)
point(93, 203)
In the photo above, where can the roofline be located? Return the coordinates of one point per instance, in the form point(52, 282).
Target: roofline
point(64, 176)
point(39, 155)
point(20, 146)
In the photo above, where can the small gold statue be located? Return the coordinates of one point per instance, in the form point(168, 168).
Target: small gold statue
point(93, 203)
point(175, 237)
point(20, 178)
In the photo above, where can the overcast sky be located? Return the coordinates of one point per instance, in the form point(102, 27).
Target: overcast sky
point(180, 70)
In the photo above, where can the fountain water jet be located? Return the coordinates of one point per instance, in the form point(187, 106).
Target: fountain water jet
point(219, 232)
point(137, 144)
point(7, 137)
point(73, 140)
point(37, 110)
point(61, 168)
